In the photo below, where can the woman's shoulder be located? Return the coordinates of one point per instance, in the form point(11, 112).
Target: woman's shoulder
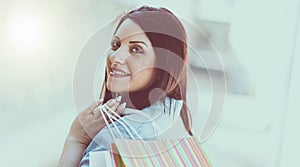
point(158, 117)
point(165, 106)
point(168, 107)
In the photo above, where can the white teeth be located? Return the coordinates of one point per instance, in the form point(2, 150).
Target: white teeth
point(120, 73)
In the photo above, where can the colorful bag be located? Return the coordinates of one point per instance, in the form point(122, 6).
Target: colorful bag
point(131, 152)
point(185, 152)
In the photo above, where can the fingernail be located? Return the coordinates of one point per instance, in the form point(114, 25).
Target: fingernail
point(119, 98)
point(123, 105)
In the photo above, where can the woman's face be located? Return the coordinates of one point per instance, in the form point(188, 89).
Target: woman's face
point(130, 63)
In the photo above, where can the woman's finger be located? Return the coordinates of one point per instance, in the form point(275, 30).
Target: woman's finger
point(96, 112)
point(113, 104)
point(95, 104)
point(121, 109)
point(110, 102)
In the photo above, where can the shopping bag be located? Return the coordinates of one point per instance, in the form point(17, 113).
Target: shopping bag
point(184, 152)
point(100, 159)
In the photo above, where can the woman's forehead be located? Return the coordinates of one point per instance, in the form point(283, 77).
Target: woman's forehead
point(130, 30)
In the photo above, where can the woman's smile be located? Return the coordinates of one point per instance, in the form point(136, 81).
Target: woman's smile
point(118, 73)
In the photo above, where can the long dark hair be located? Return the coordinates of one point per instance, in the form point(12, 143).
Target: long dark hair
point(168, 39)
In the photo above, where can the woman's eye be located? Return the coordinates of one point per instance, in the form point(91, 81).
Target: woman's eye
point(115, 45)
point(136, 49)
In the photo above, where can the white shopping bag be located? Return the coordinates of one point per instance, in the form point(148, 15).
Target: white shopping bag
point(100, 159)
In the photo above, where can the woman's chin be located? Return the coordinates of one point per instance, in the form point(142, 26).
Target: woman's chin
point(116, 88)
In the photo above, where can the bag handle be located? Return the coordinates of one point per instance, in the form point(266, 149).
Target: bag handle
point(104, 109)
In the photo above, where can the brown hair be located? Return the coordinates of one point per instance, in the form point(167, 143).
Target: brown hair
point(168, 39)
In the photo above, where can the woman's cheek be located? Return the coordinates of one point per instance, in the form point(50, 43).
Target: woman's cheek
point(108, 62)
point(141, 80)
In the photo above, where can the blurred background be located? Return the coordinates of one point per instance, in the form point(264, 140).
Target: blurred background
point(258, 42)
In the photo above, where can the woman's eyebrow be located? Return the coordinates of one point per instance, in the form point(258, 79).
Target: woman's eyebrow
point(118, 38)
point(138, 42)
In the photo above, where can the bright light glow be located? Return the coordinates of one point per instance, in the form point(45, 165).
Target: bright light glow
point(25, 33)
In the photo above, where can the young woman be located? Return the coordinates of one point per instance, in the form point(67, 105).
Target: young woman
point(146, 71)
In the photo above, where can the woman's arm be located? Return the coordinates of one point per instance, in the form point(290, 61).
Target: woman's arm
point(78, 137)
point(72, 153)
point(85, 127)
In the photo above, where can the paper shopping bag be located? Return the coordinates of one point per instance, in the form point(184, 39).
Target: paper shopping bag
point(100, 159)
point(184, 152)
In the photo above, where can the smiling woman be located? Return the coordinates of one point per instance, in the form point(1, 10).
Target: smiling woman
point(146, 72)
point(130, 64)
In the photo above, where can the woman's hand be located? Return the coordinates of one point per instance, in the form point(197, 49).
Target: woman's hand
point(90, 121)
point(84, 127)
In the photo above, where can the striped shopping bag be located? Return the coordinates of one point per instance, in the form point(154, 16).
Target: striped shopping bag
point(143, 153)
point(184, 152)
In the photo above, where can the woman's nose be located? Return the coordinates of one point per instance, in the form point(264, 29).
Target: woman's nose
point(119, 56)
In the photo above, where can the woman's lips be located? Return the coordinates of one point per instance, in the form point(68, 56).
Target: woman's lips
point(115, 72)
